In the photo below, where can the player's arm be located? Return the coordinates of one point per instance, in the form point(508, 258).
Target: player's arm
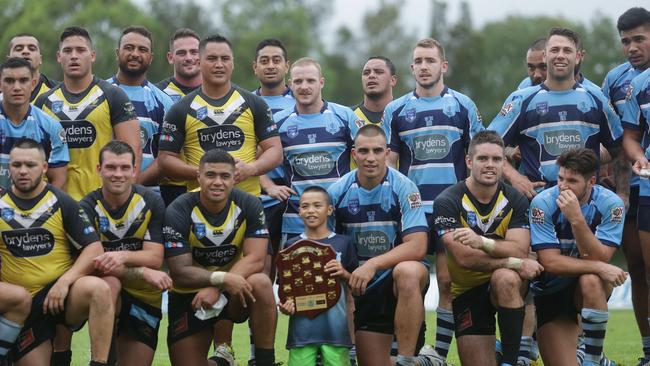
point(174, 167)
point(170, 145)
point(611, 131)
point(150, 175)
point(562, 265)
point(129, 132)
point(278, 192)
point(125, 122)
point(633, 150)
point(57, 176)
point(515, 244)
point(255, 239)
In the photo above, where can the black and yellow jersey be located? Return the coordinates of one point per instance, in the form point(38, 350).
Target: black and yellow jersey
point(88, 119)
point(139, 220)
point(44, 84)
point(368, 116)
point(235, 123)
point(39, 237)
point(215, 241)
point(456, 207)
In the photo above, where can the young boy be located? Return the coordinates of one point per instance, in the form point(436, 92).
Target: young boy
point(328, 333)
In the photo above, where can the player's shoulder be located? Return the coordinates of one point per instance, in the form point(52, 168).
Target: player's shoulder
point(513, 195)
point(244, 199)
point(90, 199)
point(546, 198)
point(453, 193)
point(248, 96)
point(615, 73)
point(150, 197)
point(605, 198)
point(42, 99)
point(341, 186)
point(62, 197)
point(183, 104)
point(184, 203)
point(401, 101)
point(460, 97)
point(640, 82)
point(162, 84)
point(39, 115)
point(157, 92)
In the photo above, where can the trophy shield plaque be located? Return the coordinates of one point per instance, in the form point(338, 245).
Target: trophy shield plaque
point(302, 277)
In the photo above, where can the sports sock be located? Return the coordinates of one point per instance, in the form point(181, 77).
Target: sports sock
point(444, 331)
point(511, 322)
point(526, 347)
point(61, 358)
point(264, 356)
point(252, 344)
point(8, 333)
point(594, 324)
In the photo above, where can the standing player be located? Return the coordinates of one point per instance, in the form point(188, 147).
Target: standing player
point(634, 31)
point(26, 46)
point(129, 221)
point(378, 78)
point(91, 111)
point(215, 244)
point(183, 54)
point(63, 292)
point(430, 131)
point(535, 64)
point(381, 210)
point(19, 119)
point(134, 56)
point(576, 227)
point(483, 224)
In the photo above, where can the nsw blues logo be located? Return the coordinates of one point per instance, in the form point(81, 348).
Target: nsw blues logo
point(449, 110)
point(7, 214)
point(202, 112)
point(563, 115)
point(429, 120)
point(471, 218)
point(292, 131)
point(583, 107)
point(103, 224)
point(542, 108)
point(199, 230)
point(57, 106)
point(353, 206)
point(410, 115)
point(332, 127)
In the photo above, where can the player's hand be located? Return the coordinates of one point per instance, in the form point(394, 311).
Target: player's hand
point(243, 170)
point(157, 279)
point(611, 274)
point(55, 300)
point(288, 308)
point(467, 236)
point(522, 184)
point(335, 269)
point(238, 287)
point(639, 165)
point(110, 261)
point(280, 192)
point(529, 269)
point(569, 204)
point(206, 298)
point(361, 277)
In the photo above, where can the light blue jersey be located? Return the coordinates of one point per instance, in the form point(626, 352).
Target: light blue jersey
point(431, 136)
point(526, 83)
point(150, 104)
point(549, 228)
point(37, 126)
point(316, 152)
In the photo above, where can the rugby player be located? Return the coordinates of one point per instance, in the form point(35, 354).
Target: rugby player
point(25, 45)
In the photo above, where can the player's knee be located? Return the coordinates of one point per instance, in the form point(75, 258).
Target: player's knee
point(505, 279)
point(22, 305)
point(591, 285)
point(261, 284)
point(409, 276)
point(115, 285)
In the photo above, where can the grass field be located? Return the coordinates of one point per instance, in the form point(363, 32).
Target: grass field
point(622, 343)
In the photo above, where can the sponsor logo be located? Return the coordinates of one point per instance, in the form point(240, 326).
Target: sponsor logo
point(410, 115)
point(79, 134)
point(144, 137)
point(465, 320)
point(215, 256)
point(32, 242)
point(170, 234)
point(199, 230)
point(562, 115)
point(26, 339)
point(7, 214)
point(471, 218)
point(372, 243)
point(314, 163)
point(353, 206)
point(414, 200)
point(542, 107)
point(359, 123)
point(557, 142)
point(226, 137)
point(173, 244)
point(57, 106)
point(537, 216)
point(617, 214)
point(124, 244)
point(312, 138)
point(181, 325)
point(478, 116)
point(448, 222)
point(62, 136)
point(435, 146)
point(371, 216)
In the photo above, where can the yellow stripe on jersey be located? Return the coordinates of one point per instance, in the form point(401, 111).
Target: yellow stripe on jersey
point(43, 88)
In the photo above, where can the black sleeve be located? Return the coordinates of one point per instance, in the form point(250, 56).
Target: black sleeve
point(88, 205)
point(120, 105)
point(172, 131)
point(78, 226)
point(157, 208)
point(350, 261)
point(176, 227)
point(520, 206)
point(262, 118)
point(40, 101)
point(255, 219)
point(447, 214)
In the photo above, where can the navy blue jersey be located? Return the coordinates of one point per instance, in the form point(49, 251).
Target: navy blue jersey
point(636, 116)
point(431, 136)
point(330, 327)
point(316, 152)
point(549, 228)
point(545, 123)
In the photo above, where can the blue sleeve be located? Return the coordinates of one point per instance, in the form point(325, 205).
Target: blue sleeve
point(611, 131)
point(413, 218)
point(165, 100)
point(59, 156)
point(394, 142)
point(542, 227)
point(524, 83)
point(507, 120)
point(610, 229)
point(631, 109)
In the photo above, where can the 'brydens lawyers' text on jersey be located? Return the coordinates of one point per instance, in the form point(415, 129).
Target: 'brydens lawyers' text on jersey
point(88, 119)
point(316, 152)
point(150, 104)
point(431, 136)
point(235, 123)
point(39, 236)
point(457, 208)
point(126, 228)
point(549, 228)
point(545, 123)
point(37, 126)
point(214, 241)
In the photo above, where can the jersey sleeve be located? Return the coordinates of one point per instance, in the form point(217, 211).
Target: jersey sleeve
point(631, 109)
point(542, 227)
point(172, 131)
point(520, 208)
point(176, 227)
point(255, 219)
point(157, 207)
point(78, 226)
point(611, 131)
point(120, 105)
point(506, 122)
point(474, 117)
point(59, 155)
point(446, 214)
point(263, 118)
point(394, 141)
point(413, 218)
point(610, 229)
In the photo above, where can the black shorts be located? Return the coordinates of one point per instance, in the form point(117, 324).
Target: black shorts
point(183, 323)
point(633, 208)
point(273, 216)
point(474, 312)
point(139, 320)
point(643, 218)
point(557, 304)
point(170, 193)
point(434, 244)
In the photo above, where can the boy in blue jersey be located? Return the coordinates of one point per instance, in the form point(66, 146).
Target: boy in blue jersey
point(634, 30)
point(576, 226)
point(134, 56)
point(329, 332)
point(381, 210)
point(430, 130)
point(19, 119)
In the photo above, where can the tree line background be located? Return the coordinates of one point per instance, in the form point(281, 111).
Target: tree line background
point(486, 63)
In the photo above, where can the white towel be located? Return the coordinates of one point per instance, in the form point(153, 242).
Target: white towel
point(213, 312)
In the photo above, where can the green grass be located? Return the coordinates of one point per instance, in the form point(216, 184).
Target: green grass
point(623, 343)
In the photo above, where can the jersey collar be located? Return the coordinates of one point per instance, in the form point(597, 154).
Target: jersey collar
point(322, 110)
point(442, 93)
point(29, 112)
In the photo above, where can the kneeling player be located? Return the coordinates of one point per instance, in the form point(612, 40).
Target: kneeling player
point(15, 303)
point(215, 244)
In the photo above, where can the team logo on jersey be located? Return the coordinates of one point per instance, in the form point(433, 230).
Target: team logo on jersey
point(542, 107)
point(332, 127)
point(449, 110)
point(202, 112)
point(175, 97)
point(371, 215)
point(428, 120)
point(617, 214)
point(506, 109)
point(103, 224)
point(57, 106)
point(414, 200)
point(562, 115)
point(353, 206)
point(292, 131)
point(199, 230)
point(312, 138)
point(7, 214)
point(410, 115)
point(471, 218)
point(583, 107)
point(359, 123)
point(537, 216)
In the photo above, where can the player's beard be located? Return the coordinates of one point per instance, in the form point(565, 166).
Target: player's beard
point(133, 73)
point(272, 85)
point(431, 84)
point(375, 94)
point(180, 71)
point(29, 189)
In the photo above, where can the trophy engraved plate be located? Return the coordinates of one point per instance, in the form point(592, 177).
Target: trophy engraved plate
point(304, 279)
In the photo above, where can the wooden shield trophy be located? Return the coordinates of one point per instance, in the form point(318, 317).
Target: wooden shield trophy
point(302, 277)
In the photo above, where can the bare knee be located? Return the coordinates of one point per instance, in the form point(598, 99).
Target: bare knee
point(262, 286)
point(20, 304)
point(409, 277)
point(505, 279)
point(591, 286)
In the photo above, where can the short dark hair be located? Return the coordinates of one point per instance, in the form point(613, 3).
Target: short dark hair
point(389, 63)
point(27, 143)
point(318, 189)
point(538, 45)
point(23, 34)
point(632, 18)
point(183, 33)
point(214, 38)
point(136, 29)
point(582, 161)
point(370, 130)
point(568, 33)
point(16, 63)
point(273, 43)
point(117, 147)
point(75, 31)
point(217, 156)
point(484, 137)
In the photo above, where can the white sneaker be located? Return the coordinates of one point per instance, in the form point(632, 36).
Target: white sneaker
point(224, 352)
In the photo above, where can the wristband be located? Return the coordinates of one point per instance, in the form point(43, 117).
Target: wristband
point(488, 244)
point(216, 278)
point(514, 263)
